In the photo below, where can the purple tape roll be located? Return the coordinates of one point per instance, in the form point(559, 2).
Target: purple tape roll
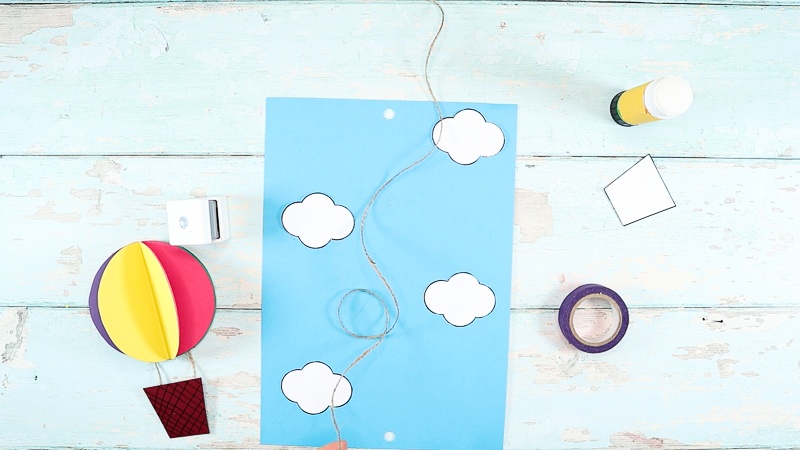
point(571, 302)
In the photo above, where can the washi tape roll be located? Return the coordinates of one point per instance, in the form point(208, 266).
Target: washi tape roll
point(566, 314)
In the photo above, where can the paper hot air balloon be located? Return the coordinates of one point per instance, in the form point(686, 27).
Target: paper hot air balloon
point(152, 301)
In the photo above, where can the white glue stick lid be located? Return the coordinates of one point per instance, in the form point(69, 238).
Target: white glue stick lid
point(667, 97)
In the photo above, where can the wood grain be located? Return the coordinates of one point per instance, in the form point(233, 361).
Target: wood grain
point(681, 378)
point(108, 110)
point(191, 79)
point(729, 242)
point(446, 3)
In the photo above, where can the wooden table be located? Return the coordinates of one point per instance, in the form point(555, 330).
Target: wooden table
point(108, 110)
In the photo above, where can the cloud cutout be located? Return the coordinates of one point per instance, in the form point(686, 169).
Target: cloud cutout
point(312, 386)
point(467, 136)
point(317, 220)
point(461, 299)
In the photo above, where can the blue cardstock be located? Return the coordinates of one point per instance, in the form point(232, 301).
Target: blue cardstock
point(430, 384)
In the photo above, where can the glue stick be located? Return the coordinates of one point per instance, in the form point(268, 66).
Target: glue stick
point(662, 98)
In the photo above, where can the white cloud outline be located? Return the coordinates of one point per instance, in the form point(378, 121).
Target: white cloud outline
point(435, 306)
point(473, 125)
point(315, 242)
point(298, 379)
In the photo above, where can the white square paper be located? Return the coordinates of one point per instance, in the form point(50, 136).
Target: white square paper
point(639, 192)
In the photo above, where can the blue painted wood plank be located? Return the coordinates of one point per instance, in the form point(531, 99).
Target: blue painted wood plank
point(191, 79)
point(445, 3)
point(729, 242)
point(72, 213)
point(62, 385)
point(679, 379)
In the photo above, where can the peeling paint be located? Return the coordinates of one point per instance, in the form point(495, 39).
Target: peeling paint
point(576, 435)
point(13, 343)
point(59, 40)
point(638, 441)
point(744, 31)
point(554, 368)
point(107, 171)
point(707, 351)
point(198, 192)
point(736, 300)
point(599, 372)
point(18, 21)
point(726, 367)
point(754, 415)
point(238, 380)
point(199, 9)
point(95, 210)
point(31, 194)
point(533, 214)
point(247, 444)
point(47, 212)
point(11, 348)
point(114, 223)
point(248, 421)
point(86, 194)
point(149, 191)
point(72, 259)
point(226, 332)
point(625, 29)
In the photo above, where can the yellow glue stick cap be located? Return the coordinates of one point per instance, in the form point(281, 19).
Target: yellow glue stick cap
point(668, 97)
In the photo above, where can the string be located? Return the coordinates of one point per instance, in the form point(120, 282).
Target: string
point(191, 360)
point(158, 371)
point(389, 323)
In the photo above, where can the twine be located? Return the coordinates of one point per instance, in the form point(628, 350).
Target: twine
point(388, 324)
point(191, 360)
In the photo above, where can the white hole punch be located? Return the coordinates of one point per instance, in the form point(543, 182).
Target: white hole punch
point(198, 221)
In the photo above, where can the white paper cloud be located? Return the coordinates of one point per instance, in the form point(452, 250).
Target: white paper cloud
point(467, 136)
point(317, 220)
point(461, 299)
point(312, 386)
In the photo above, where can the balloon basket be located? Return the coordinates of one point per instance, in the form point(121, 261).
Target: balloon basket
point(181, 407)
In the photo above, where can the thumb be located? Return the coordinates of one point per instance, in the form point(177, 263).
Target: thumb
point(334, 446)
